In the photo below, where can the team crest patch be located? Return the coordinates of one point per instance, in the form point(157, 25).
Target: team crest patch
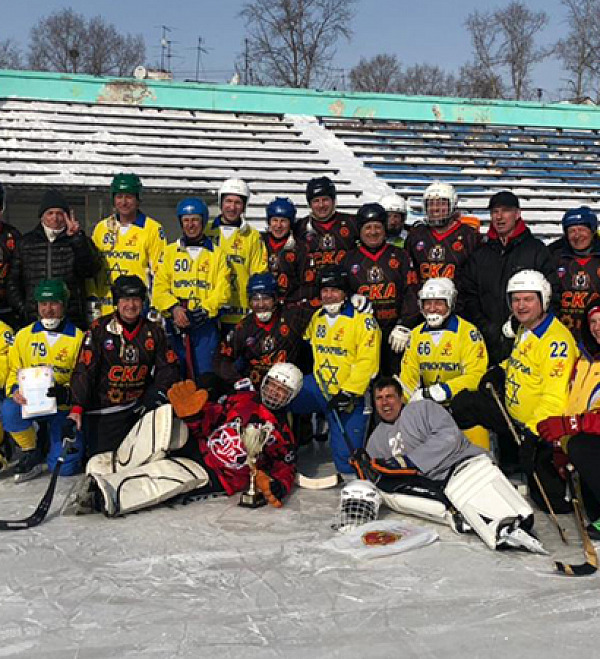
point(290, 257)
point(420, 246)
point(86, 357)
point(109, 344)
point(268, 343)
point(394, 263)
point(273, 261)
point(327, 242)
point(563, 271)
point(149, 344)
point(581, 281)
point(437, 253)
point(375, 275)
point(171, 357)
point(10, 243)
point(285, 330)
point(344, 233)
point(354, 269)
point(372, 538)
point(226, 445)
point(458, 246)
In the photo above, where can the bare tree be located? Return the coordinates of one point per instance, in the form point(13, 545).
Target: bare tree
point(10, 55)
point(65, 41)
point(479, 82)
point(427, 80)
point(579, 52)
point(378, 74)
point(292, 42)
point(504, 46)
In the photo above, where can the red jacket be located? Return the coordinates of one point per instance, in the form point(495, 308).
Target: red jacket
point(217, 430)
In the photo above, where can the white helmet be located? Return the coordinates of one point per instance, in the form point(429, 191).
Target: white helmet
point(438, 288)
point(528, 281)
point(393, 203)
point(290, 376)
point(439, 190)
point(234, 186)
point(359, 504)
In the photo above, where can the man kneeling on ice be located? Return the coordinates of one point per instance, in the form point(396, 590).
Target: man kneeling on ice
point(204, 449)
point(423, 465)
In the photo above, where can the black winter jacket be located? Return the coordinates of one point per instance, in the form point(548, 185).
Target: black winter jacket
point(70, 258)
point(486, 274)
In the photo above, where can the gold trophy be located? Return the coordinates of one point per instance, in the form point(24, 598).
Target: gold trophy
point(254, 437)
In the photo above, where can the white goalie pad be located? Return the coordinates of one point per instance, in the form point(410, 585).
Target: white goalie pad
point(156, 433)
point(491, 505)
point(149, 484)
point(409, 504)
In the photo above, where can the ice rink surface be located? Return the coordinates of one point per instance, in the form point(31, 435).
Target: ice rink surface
point(211, 579)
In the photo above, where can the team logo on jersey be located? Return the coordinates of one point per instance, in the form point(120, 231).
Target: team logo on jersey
point(109, 344)
point(226, 445)
point(284, 330)
point(268, 343)
point(437, 253)
point(344, 233)
point(580, 281)
point(354, 269)
point(375, 275)
point(420, 246)
point(447, 349)
point(86, 357)
point(563, 271)
point(394, 264)
point(149, 344)
point(171, 357)
point(327, 241)
point(273, 258)
point(132, 241)
point(250, 341)
point(339, 335)
point(62, 355)
point(458, 246)
point(328, 373)
point(373, 538)
point(129, 354)
point(115, 395)
point(558, 369)
point(290, 257)
point(10, 243)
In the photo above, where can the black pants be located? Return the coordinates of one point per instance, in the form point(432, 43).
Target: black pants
point(584, 453)
point(105, 432)
point(478, 408)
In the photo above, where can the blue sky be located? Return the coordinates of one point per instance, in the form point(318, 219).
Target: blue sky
point(429, 31)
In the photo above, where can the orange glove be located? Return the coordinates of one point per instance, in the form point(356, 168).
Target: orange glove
point(186, 399)
point(272, 489)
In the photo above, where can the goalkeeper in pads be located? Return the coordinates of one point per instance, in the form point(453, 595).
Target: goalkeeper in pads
point(423, 465)
point(196, 446)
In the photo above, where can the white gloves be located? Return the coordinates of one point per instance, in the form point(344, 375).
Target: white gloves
point(361, 303)
point(436, 393)
point(508, 328)
point(399, 338)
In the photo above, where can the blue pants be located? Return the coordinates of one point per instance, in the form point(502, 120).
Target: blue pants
point(203, 343)
point(14, 422)
point(311, 400)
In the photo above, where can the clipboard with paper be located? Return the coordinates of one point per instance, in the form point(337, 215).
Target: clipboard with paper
point(34, 383)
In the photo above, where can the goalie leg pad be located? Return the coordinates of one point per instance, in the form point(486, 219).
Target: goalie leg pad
point(149, 484)
point(487, 500)
point(156, 433)
point(409, 504)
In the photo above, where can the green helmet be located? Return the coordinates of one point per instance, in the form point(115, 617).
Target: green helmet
point(127, 183)
point(51, 290)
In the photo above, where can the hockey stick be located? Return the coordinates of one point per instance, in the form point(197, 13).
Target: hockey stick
point(511, 426)
point(591, 564)
point(335, 414)
point(39, 514)
point(323, 483)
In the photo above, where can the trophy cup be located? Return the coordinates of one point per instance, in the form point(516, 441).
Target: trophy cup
point(254, 438)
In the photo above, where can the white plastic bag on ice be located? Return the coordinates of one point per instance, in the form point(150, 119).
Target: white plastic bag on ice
point(382, 538)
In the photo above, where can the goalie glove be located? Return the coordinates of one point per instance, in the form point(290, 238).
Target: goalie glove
point(187, 401)
point(556, 427)
point(361, 303)
point(399, 338)
point(271, 488)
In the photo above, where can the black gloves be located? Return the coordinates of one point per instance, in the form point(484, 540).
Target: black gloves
point(197, 317)
point(528, 450)
point(343, 401)
point(61, 393)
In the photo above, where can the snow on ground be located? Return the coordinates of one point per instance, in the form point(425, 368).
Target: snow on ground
point(211, 579)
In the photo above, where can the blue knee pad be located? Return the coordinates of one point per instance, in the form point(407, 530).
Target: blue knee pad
point(73, 463)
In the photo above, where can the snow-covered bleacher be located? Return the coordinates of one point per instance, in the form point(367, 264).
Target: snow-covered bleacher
point(180, 151)
point(549, 169)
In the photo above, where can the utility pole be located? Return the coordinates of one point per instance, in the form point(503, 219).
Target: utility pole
point(165, 46)
point(246, 61)
point(199, 51)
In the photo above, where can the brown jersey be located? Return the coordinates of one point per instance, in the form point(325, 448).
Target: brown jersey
point(287, 260)
point(253, 347)
point(117, 366)
point(579, 284)
point(386, 278)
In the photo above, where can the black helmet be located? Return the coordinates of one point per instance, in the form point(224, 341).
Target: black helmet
point(371, 213)
point(129, 286)
point(320, 187)
point(334, 276)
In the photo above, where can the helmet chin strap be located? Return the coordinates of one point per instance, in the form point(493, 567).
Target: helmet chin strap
point(50, 323)
point(334, 308)
point(264, 316)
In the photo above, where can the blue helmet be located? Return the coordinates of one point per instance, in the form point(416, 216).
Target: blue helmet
point(282, 207)
point(583, 215)
point(192, 206)
point(263, 283)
